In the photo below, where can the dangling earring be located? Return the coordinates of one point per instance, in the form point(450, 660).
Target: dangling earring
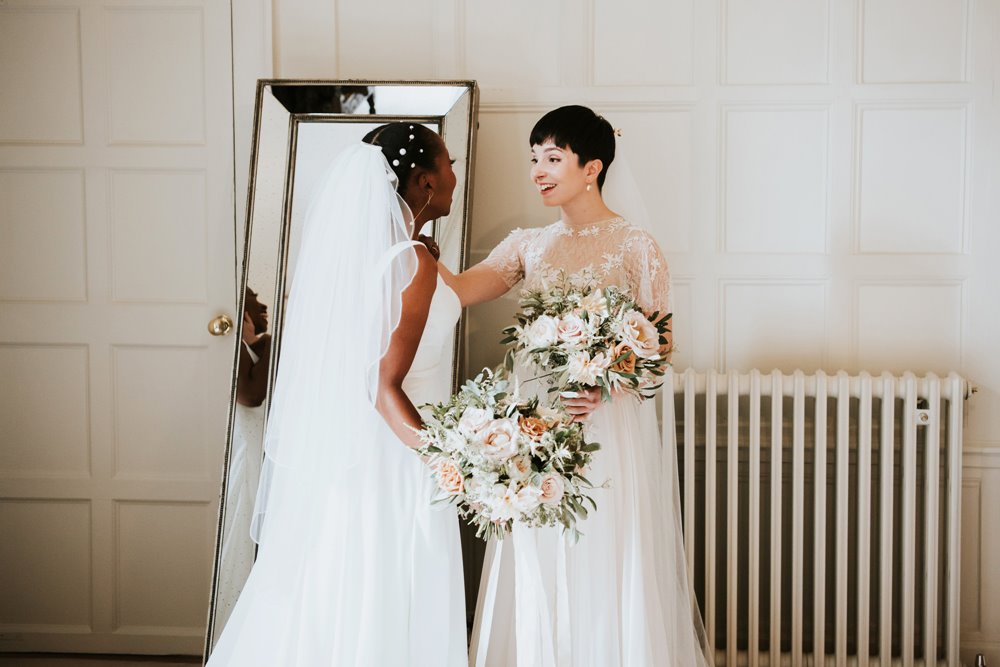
point(430, 195)
point(588, 187)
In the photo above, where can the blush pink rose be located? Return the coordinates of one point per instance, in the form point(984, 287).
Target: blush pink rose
point(572, 329)
point(552, 487)
point(639, 334)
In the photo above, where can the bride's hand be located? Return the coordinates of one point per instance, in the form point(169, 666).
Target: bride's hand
point(585, 402)
point(431, 245)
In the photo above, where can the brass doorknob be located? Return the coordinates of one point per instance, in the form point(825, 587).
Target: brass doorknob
point(220, 326)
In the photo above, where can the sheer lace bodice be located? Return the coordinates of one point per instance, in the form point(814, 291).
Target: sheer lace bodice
point(611, 252)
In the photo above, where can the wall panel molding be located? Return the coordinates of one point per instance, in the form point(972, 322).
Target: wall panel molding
point(818, 356)
point(729, 110)
point(964, 187)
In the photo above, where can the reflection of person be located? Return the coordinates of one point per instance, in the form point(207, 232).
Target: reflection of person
point(255, 352)
point(237, 550)
point(355, 567)
point(619, 596)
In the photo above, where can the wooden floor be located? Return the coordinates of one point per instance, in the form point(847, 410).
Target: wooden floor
point(78, 660)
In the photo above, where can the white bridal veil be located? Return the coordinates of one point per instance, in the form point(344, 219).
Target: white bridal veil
point(355, 260)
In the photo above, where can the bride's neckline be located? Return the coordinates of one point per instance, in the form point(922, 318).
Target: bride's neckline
point(590, 228)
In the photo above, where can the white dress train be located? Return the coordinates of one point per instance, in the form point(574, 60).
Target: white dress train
point(366, 578)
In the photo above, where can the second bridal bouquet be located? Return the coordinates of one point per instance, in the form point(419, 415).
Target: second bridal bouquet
point(583, 337)
point(502, 459)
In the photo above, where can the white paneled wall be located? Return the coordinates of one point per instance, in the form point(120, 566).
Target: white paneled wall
point(821, 175)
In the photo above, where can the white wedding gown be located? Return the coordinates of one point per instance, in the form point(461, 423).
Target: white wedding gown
point(342, 590)
point(620, 596)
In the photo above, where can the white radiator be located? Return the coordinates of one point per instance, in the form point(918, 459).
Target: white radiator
point(822, 528)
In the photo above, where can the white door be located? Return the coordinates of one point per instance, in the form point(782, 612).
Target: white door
point(116, 249)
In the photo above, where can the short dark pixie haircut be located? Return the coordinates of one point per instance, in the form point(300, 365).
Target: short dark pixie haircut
point(580, 130)
point(406, 146)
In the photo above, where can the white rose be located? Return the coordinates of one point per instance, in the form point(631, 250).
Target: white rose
point(572, 329)
point(502, 502)
point(541, 333)
point(527, 499)
point(585, 369)
point(474, 420)
point(519, 467)
point(552, 489)
point(499, 439)
point(595, 303)
point(639, 334)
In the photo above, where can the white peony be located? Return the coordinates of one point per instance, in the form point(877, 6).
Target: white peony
point(541, 333)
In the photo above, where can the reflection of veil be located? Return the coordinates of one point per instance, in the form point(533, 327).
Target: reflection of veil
point(355, 260)
point(621, 193)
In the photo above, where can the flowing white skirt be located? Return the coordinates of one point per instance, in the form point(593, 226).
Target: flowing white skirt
point(618, 597)
point(363, 574)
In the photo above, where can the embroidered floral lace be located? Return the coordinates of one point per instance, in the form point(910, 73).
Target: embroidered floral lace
point(613, 252)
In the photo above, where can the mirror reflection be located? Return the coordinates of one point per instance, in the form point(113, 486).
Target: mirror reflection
point(300, 128)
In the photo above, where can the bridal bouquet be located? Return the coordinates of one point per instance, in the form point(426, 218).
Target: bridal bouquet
point(583, 337)
point(502, 459)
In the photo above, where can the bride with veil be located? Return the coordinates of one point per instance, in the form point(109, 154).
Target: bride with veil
point(620, 596)
point(354, 566)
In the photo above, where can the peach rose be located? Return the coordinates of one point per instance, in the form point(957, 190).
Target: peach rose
point(450, 478)
point(552, 489)
point(626, 365)
point(639, 334)
point(533, 427)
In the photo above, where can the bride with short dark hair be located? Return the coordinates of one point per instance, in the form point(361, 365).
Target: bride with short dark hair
point(620, 596)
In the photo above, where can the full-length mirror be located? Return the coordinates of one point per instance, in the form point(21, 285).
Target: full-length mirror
point(299, 129)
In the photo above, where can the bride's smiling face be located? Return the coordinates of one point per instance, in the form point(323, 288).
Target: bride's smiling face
point(557, 173)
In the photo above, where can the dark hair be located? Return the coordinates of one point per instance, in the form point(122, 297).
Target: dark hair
point(580, 130)
point(406, 146)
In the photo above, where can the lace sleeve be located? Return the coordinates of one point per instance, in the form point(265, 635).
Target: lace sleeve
point(648, 274)
point(507, 259)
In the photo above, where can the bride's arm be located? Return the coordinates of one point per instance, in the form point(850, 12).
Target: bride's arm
point(494, 276)
point(392, 403)
point(475, 285)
